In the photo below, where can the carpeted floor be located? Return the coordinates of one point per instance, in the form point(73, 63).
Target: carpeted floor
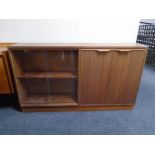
point(141, 120)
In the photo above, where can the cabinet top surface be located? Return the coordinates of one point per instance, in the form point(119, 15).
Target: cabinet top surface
point(74, 45)
point(2, 49)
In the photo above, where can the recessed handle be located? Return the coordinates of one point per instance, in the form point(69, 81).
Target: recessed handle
point(103, 51)
point(124, 50)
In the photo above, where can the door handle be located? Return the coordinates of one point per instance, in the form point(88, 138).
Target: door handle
point(104, 51)
point(100, 51)
point(124, 50)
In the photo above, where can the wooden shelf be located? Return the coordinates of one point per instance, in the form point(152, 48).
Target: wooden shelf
point(52, 100)
point(41, 75)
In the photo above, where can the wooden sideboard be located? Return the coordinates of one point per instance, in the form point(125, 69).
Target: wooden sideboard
point(74, 77)
point(6, 85)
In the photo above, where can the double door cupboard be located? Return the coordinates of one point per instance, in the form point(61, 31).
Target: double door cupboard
point(74, 77)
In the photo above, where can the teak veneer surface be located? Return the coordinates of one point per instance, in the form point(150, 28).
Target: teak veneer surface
point(89, 77)
point(41, 75)
point(6, 85)
point(73, 46)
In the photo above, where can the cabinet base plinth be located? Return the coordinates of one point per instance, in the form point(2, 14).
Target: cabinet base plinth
point(79, 108)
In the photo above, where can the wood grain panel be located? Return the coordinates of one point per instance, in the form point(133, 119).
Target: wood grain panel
point(42, 75)
point(4, 85)
point(49, 100)
point(6, 82)
point(49, 46)
point(110, 78)
point(8, 70)
point(125, 76)
point(2, 44)
point(94, 74)
point(2, 70)
point(26, 108)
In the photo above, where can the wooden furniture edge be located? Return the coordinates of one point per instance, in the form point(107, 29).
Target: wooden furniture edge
point(76, 46)
point(5, 44)
point(8, 71)
point(141, 72)
point(82, 108)
point(6, 62)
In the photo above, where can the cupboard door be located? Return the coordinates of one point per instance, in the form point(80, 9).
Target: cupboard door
point(125, 76)
point(94, 76)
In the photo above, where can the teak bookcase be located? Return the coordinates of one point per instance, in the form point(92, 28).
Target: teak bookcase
point(59, 77)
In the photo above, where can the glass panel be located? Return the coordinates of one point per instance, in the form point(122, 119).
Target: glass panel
point(47, 77)
point(62, 60)
point(63, 65)
point(35, 91)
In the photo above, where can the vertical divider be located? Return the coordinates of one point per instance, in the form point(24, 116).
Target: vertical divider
point(47, 79)
point(27, 81)
point(75, 70)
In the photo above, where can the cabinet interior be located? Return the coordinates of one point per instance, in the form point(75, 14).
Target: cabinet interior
point(46, 77)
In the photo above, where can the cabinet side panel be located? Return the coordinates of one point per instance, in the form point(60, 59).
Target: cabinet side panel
point(15, 68)
point(4, 85)
point(8, 71)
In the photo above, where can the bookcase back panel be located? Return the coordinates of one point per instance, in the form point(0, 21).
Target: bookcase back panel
point(46, 61)
point(34, 61)
point(62, 61)
point(50, 86)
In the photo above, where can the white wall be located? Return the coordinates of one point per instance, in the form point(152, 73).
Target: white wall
point(109, 31)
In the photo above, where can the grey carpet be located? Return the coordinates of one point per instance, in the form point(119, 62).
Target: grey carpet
point(140, 120)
